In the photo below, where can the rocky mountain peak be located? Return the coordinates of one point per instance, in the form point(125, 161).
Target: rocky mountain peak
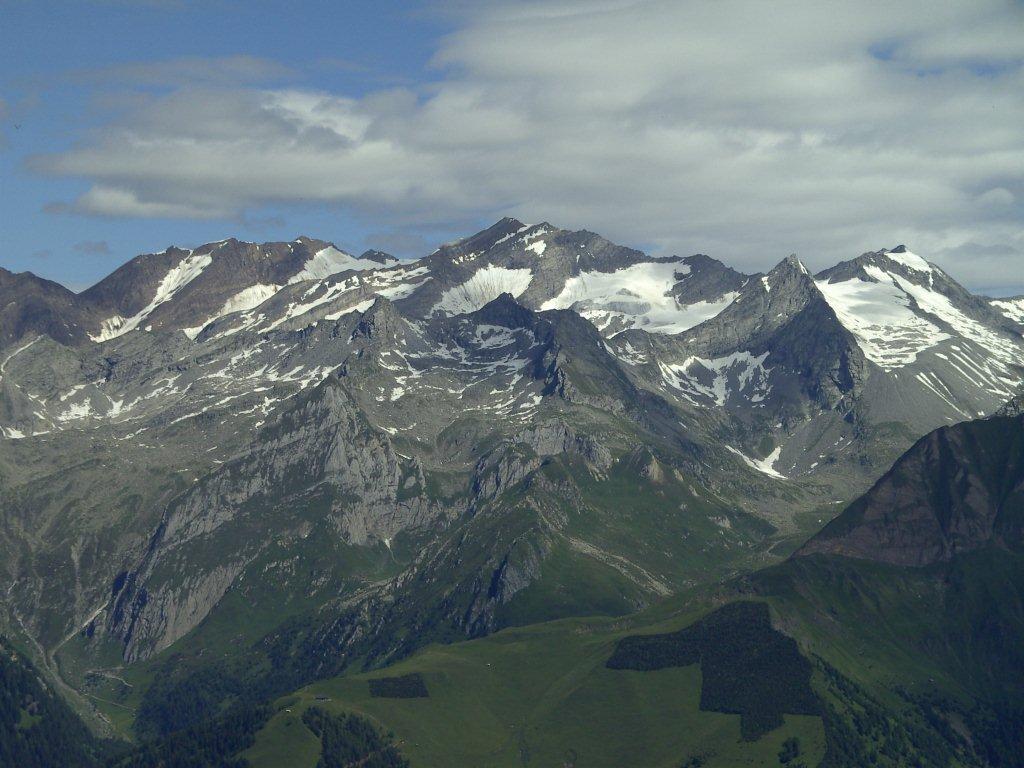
point(787, 287)
point(33, 305)
point(505, 311)
point(701, 261)
point(875, 266)
point(379, 257)
point(957, 489)
point(790, 268)
point(793, 262)
point(379, 322)
point(508, 224)
point(483, 240)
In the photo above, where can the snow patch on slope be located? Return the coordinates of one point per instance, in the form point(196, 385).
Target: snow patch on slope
point(484, 286)
point(328, 262)
point(639, 295)
point(895, 319)
point(242, 301)
point(909, 260)
point(765, 465)
point(879, 315)
point(392, 283)
point(1012, 308)
point(936, 304)
point(719, 379)
point(187, 270)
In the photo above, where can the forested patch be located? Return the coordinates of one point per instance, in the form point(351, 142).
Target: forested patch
point(37, 728)
point(859, 730)
point(212, 744)
point(179, 698)
point(349, 740)
point(748, 668)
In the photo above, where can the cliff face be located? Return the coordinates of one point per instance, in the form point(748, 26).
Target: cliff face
point(239, 510)
point(959, 488)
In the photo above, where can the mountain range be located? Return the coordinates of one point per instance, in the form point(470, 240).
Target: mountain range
point(311, 463)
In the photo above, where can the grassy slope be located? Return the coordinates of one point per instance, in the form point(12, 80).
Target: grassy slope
point(678, 533)
point(539, 695)
point(285, 741)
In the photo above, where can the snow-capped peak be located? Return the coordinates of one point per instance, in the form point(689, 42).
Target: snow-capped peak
point(330, 261)
point(906, 258)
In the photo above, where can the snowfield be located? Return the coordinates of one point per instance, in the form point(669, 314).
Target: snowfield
point(878, 313)
point(484, 286)
point(1012, 308)
point(187, 270)
point(640, 295)
point(329, 262)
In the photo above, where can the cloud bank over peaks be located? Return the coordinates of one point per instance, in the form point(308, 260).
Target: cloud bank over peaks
point(746, 130)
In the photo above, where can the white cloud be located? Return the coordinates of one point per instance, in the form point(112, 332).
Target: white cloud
point(747, 130)
point(107, 201)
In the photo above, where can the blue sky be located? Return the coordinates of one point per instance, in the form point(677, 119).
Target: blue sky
point(740, 129)
point(52, 61)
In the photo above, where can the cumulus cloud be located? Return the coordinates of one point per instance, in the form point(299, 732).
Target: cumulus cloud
point(743, 129)
point(103, 200)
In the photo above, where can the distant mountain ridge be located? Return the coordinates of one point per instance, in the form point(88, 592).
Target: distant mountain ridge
point(264, 464)
point(682, 321)
point(524, 424)
point(181, 289)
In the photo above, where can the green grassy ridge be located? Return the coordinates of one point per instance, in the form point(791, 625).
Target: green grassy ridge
point(930, 659)
point(953, 623)
point(542, 695)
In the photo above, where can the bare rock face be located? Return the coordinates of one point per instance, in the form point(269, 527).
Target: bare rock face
point(958, 489)
point(557, 438)
point(1013, 407)
point(322, 443)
